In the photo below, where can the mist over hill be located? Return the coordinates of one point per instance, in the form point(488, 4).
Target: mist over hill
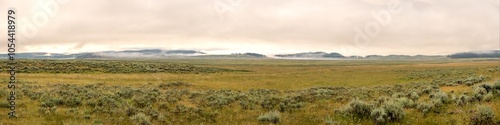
point(477, 54)
point(145, 53)
point(312, 55)
point(159, 53)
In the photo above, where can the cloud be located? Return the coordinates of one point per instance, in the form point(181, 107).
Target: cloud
point(423, 27)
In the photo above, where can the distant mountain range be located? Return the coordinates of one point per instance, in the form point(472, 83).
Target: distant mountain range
point(478, 54)
point(159, 53)
point(145, 53)
point(110, 54)
point(141, 53)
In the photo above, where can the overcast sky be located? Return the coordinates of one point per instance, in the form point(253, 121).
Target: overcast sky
point(262, 26)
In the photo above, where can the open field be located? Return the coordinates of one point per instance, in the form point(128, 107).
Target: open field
point(242, 91)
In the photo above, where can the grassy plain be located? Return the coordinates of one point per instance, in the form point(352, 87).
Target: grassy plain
point(219, 91)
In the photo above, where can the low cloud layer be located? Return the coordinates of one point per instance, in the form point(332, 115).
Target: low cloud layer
point(271, 27)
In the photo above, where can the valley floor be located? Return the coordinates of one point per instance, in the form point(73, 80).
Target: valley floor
point(255, 91)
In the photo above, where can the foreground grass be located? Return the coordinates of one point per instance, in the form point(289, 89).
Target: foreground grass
point(344, 81)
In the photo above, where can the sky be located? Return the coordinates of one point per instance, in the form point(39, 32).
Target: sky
point(349, 27)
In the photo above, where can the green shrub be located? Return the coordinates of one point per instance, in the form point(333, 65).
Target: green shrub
point(381, 100)
point(379, 115)
point(247, 104)
point(440, 96)
point(50, 102)
point(473, 80)
point(413, 96)
point(290, 105)
point(358, 108)
point(394, 111)
point(47, 110)
point(397, 95)
point(463, 99)
point(72, 102)
point(431, 88)
point(270, 103)
point(154, 114)
point(108, 102)
point(478, 93)
point(405, 102)
point(73, 110)
point(426, 90)
point(163, 106)
point(483, 116)
point(219, 100)
point(487, 87)
point(141, 119)
point(425, 107)
point(131, 111)
point(125, 93)
point(141, 101)
point(437, 103)
point(438, 99)
point(91, 103)
point(272, 116)
point(390, 111)
point(488, 97)
point(496, 87)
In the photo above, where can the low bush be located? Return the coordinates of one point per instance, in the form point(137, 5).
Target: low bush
point(496, 87)
point(487, 87)
point(390, 111)
point(440, 97)
point(141, 119)
point(47, 110)
point(72, 102)
point(463, 100)
point(270, 103)
point(483, 116)
point(478, 93)
point(413, 96)
point(425, 107)
point(488, 97)
point(248, 104)
point(358, 108)
point(379, 115)
point(272, 116)
point(397, 95)
point(405, 102)
point(141, 101)
point(125, 93)
point(381, 100)
point(290, 104)
point(473, 80)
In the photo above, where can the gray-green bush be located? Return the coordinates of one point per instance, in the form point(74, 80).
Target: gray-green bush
point(141, 119)
point(463, 100)
point(358, 108)
point(425, 107)
point(272, 116)
point(390, 111)
point(483, 116)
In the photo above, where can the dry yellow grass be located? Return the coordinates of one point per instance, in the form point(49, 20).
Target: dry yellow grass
point(268, 74)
